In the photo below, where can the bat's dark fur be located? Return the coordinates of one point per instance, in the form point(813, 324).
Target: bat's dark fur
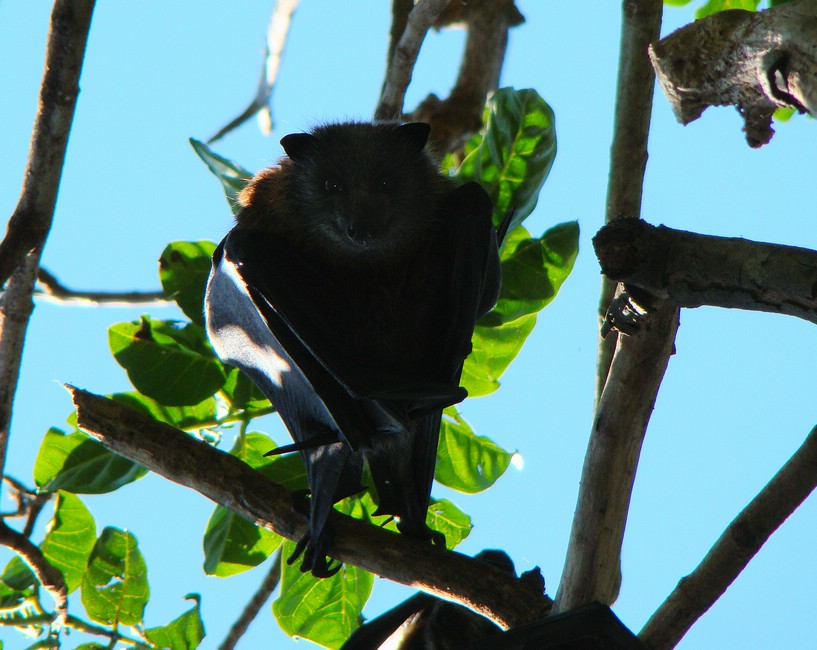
point(348, 291)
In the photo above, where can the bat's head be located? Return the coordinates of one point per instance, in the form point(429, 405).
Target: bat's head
point(362, 190)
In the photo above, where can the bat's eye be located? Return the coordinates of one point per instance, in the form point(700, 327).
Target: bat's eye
point(332, 185)
point(385, 185)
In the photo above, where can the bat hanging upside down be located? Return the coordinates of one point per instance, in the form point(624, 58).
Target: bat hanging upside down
point(348, 291)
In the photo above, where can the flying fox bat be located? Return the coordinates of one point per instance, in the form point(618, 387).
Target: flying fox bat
point(348, 291)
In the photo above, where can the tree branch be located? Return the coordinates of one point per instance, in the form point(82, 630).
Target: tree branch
point(31, 221)
point(627, 390)
point(641, 24)
point(53, 290)
point(277, 32)
point(457, 117)
point(738, 544)
point(50, 577)
point(690, 270)
point(758, 61)
point(257, 601)
point(231, 483)
point(399, 71)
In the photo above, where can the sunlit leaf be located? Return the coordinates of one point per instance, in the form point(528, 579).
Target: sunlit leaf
point(71, 538)
point(233, 177)
point(183, 270)
point(115, 586)
point(183, 633)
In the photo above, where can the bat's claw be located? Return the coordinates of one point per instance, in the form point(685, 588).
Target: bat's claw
point(314, 557)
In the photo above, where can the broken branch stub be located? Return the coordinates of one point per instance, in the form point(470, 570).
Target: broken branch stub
point(757, 62)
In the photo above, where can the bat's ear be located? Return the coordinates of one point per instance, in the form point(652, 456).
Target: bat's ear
point(298, 145)
point(415, 132)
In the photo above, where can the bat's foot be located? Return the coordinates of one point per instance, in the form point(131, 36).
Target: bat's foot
point(314, 557)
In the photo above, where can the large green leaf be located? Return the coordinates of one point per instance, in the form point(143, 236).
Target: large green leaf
point(243, 394)
point(533, 271)
point(183, 270)
point(79, 464)
point(714, 6)
point(115, 586)
point(465, 461)
point(323, 610)
point(513, 155)
point(183, 633)
point(232, 544)
point(199, 415)
point(71, 538)
point(233, 177)
point(166, 361)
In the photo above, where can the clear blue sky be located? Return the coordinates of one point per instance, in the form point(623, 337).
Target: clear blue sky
point(738, 398)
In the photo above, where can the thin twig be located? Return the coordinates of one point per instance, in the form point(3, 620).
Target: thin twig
point(257, 601)
point(592, 568)
point(49, 577)
point(641, 25)
point(398, 76)
point(54, 291)
point(738, 544)
point(228, 481)
point(276, 40)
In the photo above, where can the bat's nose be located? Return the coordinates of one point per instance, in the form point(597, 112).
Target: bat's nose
point(360, 235)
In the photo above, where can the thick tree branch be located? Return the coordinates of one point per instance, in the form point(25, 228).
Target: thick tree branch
point(257, 601)
point(31, 221)
point(685, 269)
point(277, 32)
point(231, 483)
point(54, 290)
point(401, 66)
point(738, 544)
point(757, 61)
point(50, 577)
point(627, 388)
point(641, 24)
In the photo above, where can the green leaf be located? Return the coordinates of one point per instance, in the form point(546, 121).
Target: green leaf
point(183, 270)
point(243, 394)
point(533, 271)
point(513, 155)
point(677, 3)
point(199, 415)
point(287, 470)
point(493, 350)
point(233, 177)
point(170, 363)
point(79, 464)
point(18, 575)
point(714, 6)
point(183, 633)
point(323, 610)
point(115, 586)
point(233, 545)
point(445, 517)
point(71, 539)
point(465, 461)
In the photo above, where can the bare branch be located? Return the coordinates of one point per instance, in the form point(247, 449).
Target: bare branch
point(627, 390)
point(690, 270)
point(457, 117)
point(53, 290)
point(31, 221)
point(758, 61)
point(738, 544)
point(401, 66)
point(231, 483)
point(256, 603)
point(592, 567)
point(50, 577)
point(276, 40)
point(641, 24)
